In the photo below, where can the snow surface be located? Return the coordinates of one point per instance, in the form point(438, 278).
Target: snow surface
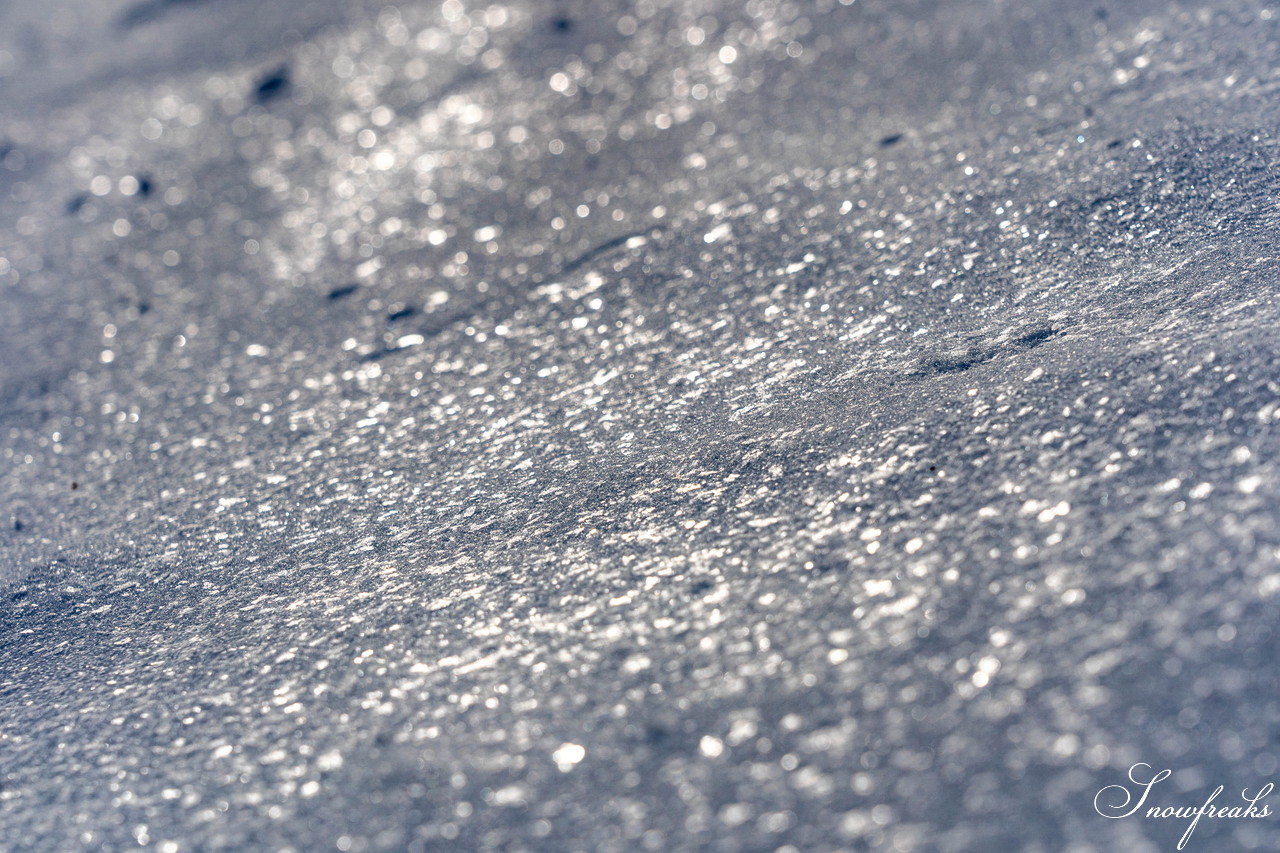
point(636, 426)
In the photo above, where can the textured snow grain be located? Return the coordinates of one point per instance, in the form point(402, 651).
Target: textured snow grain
point(655, 426)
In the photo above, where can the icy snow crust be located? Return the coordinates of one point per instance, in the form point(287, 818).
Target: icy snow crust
point(655, 426)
